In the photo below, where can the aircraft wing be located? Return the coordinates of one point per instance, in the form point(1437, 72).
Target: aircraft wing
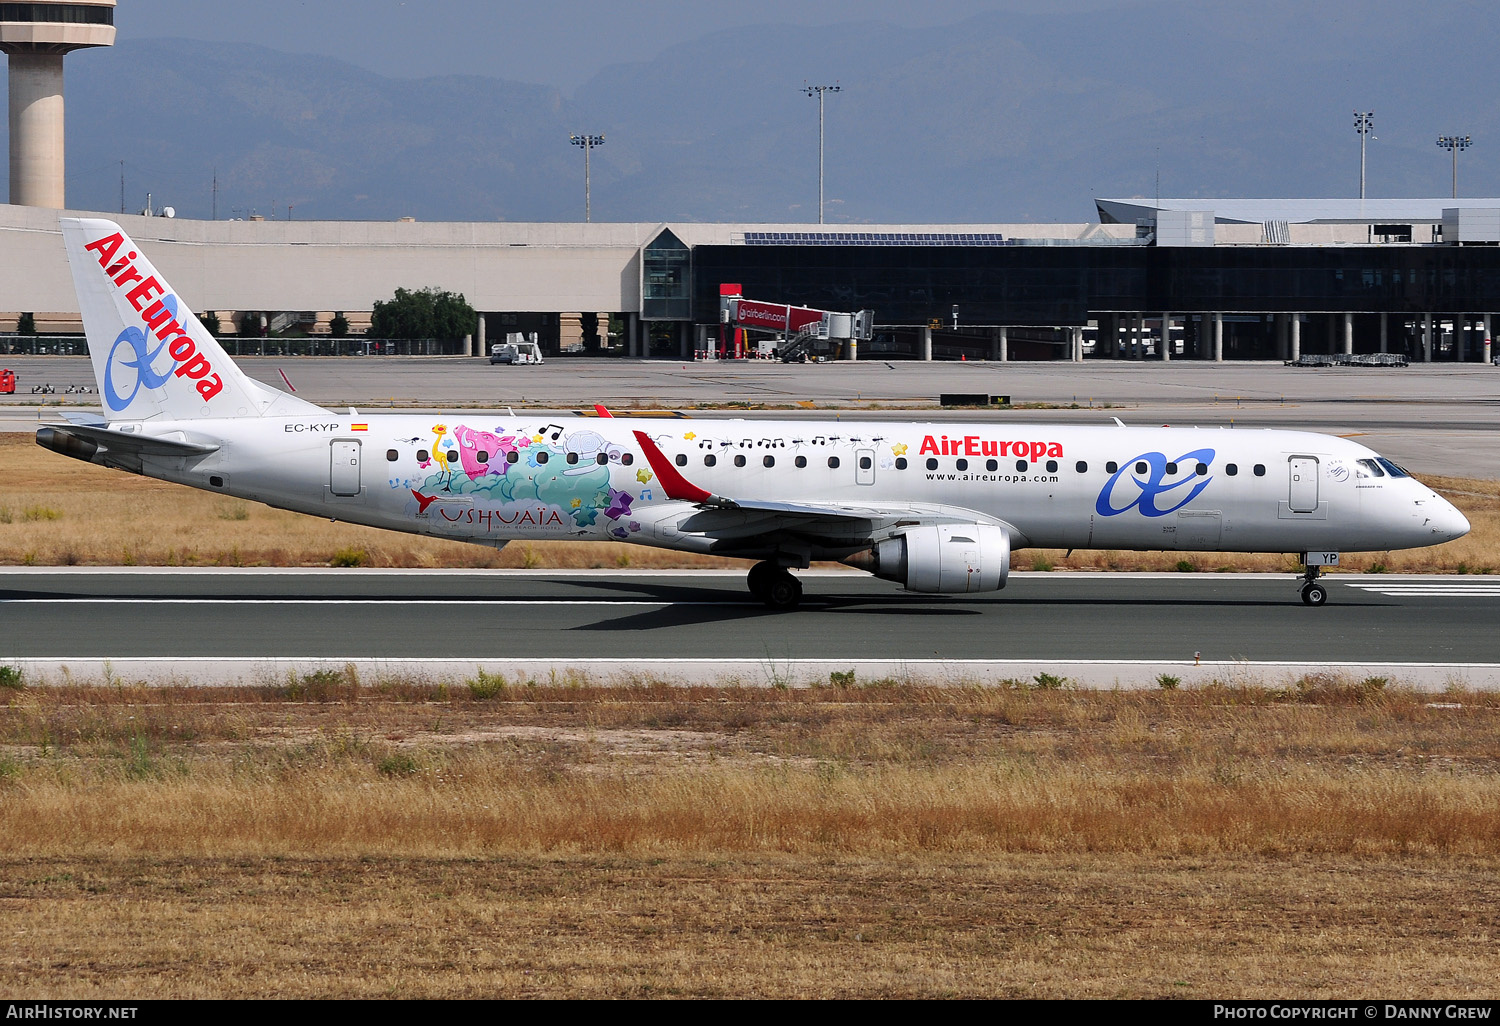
point(725, 517)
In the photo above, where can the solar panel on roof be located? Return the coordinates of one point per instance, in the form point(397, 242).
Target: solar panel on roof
point(874, 239)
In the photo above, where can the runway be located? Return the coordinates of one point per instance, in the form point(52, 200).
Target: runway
point(1100, 629)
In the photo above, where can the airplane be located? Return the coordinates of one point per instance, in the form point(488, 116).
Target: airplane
point(937, 508)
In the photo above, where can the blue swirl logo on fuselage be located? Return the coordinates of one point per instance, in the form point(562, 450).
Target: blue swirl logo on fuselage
point(1154, 484)
point(146, 375)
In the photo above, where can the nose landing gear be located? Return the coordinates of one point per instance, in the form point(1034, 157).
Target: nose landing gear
point(1313, 593)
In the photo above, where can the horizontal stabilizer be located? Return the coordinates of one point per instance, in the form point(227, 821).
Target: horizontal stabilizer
point(122, 442)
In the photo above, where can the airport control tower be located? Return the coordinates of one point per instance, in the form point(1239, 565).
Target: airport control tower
point(36, 36)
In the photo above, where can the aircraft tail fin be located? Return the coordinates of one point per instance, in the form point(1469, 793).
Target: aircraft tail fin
point(151, 356)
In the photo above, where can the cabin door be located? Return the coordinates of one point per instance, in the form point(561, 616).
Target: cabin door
point(343, 475)
point(1303, 485)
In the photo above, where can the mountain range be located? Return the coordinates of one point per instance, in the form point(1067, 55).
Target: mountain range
point(998, 118)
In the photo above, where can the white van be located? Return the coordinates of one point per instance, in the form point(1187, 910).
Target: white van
point(516, 353)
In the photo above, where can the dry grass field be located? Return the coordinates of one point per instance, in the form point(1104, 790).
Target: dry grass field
point(332, 838)
point(1333, 838)
point(57, 511)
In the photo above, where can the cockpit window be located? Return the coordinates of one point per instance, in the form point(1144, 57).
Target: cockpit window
point(1368, 468)
point(1391, 468)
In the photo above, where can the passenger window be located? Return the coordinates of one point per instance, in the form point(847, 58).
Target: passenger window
point(769, 461)
point(1171, 468)
point(482, 456)
point(710, 460)
point(423, 455)
point(510, 457)
point(1201, 469)
point(739, 461)
point(680, 459)
point(1111, 467)
point(1260, 470)
point(900, 462)
point(992, 465)
point(1231, 469)
point(1021, 466)
point(1141, 468)
point(1051, 466)
point(800, 461)
point(865, 463)
point(542, 458)
point(1081, 467)
point(392, 455)
point(626, 458)
point(573, 458)
point(961, 465)
point(833, 463)
point(931, 463)
point(602, 458)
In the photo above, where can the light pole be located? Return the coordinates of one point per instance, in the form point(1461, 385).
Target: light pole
point(1454, 144)
point(818, 91)
point(1364, 124)
point(588, 142)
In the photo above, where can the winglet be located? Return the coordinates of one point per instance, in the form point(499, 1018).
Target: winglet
point(600, 411)
point(674, 484)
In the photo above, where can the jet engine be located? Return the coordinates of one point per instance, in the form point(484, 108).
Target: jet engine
point(950, 558)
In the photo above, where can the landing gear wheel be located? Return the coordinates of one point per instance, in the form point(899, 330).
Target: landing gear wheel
point(783, 591)
point(759, 579)
point(1314, 594)
point(774, 585)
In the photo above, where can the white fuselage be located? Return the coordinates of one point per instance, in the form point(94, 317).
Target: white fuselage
point(493, 477)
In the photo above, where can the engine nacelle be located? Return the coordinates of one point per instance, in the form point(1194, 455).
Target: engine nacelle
point(949, 558)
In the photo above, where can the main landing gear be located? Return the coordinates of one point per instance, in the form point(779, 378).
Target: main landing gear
point(1313, 593)
point(774, 585)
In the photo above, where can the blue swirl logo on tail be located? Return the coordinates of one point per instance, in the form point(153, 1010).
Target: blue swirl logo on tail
point(146, 376)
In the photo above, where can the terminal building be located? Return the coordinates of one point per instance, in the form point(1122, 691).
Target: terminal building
point(1165, 279)
point(1218, 279)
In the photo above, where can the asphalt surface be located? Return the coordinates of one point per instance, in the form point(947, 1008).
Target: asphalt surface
point(643, 616)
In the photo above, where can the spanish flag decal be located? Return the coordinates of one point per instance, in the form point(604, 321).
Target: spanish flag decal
point(359, 427)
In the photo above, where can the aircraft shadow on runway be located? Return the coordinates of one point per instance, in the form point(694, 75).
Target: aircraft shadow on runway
point(689, 606)
point(692, 615)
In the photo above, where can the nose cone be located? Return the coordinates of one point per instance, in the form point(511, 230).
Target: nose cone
point(1445, 521)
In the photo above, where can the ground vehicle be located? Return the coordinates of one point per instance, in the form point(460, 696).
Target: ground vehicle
point(518, 352)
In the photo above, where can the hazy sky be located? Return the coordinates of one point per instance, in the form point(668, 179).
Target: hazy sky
point(559, 43)
point(955, 110)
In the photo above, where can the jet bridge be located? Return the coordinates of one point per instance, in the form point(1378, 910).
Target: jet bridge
point(804, 331)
